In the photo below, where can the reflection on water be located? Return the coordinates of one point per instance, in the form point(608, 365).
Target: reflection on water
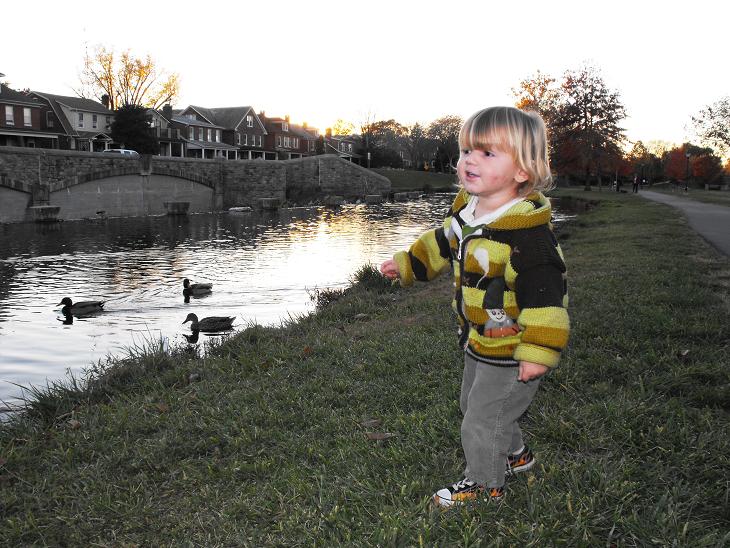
point(261, 268)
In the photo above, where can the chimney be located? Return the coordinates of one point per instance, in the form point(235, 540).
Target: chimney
point(328, 133)
point(105, 100)
point(304, 125)
point(167, 111)
point(286, 118)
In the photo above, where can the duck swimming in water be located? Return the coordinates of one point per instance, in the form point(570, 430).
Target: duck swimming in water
point(80, 308)
point(195, 289)
point(210, 324)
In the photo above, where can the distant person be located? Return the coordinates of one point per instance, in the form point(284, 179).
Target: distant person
point(635, 186)
point(510, 290)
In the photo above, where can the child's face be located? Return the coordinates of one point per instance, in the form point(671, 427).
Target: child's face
point(490, 174)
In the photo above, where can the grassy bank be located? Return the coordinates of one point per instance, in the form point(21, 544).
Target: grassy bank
point(406, 179)
point(265, 441)
point(719, 197)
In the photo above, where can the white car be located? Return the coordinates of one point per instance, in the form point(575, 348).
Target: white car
point(123, 152)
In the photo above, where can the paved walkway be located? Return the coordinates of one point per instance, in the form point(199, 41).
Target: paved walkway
point(711, 221)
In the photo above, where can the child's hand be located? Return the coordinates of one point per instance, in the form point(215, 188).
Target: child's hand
point(389, 269)
point(529, 371)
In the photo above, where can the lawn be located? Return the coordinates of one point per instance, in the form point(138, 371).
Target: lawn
point(336, 428)
point(406, 179)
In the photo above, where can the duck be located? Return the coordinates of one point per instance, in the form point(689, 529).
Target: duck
point(195, 289)
point(210, 324)
point(80, 308)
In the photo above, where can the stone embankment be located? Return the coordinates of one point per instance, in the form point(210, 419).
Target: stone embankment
point(89, 185)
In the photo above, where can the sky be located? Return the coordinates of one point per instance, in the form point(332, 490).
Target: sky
point(412, 61)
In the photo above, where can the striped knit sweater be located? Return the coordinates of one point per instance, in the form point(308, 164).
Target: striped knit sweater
point(510, 285)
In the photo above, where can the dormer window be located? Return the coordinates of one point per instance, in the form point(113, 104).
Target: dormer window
point(249, 120)
point(284, 126)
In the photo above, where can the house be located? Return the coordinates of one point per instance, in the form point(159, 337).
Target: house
point(22, 121)
point(347, 147)
point(226, 132)
point(242, 128)
point(85, 123)
point(289, 141)
point(168, 137)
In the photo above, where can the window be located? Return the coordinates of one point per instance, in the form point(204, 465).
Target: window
point(217, 135)
point(245, 138)
point(278, 140)
point(49, 119)
point(27, 121)
point(81, 119)
point(285, 126)
point(210, 134)
point(93, 121)
point(349, 147)
point(249, 120)
point(9, 115)
point(287, 142)
point(191, 133)
point(260, 142)
point(108, 122)
point(238, 138)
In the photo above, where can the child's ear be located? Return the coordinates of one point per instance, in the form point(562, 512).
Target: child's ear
point(521, 176)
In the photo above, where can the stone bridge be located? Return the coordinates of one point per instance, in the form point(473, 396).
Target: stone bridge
point(88, 184)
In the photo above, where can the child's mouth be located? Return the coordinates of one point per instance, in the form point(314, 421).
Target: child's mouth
point(471, 175)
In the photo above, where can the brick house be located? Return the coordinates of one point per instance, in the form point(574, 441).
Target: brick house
point(201, 137)
point(85, 123)
point(288, 141)
point(169, 137)
point(21, 121)
point(347, 147)
point(242, 128)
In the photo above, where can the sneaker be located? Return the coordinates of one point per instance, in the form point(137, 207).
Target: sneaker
point(466, 490)
point(520, 461)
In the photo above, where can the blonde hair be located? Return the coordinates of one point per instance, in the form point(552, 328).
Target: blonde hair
point(520, 133)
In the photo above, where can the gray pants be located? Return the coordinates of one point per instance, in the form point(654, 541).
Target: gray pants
point(492, 399)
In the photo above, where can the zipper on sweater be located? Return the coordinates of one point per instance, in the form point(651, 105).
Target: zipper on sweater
point(459, 294)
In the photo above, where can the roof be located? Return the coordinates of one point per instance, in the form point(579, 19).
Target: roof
point(77, 103)
point(226, 117)
point(7, 94)
point(193, 122)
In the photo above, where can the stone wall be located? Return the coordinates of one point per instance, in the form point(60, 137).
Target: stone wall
point(122, 186)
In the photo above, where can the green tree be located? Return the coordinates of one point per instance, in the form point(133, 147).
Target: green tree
point(131, 129)
point(126, 80)
point(445, 133)
point(712, 125)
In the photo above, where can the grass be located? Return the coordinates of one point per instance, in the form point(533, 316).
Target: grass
point(407, 179)
point(719, 197)
point(264, 440)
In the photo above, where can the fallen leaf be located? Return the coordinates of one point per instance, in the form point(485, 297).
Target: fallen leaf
point(162, 407)
point(74, 424)
point(371, 423)
point(379, 436)
point(307, 350)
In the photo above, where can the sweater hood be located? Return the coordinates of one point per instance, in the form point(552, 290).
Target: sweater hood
point(534, 210)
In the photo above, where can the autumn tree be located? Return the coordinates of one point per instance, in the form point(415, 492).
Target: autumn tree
point(445, 133)
point(131, 129)
point(126, 80)
point(587, 132)
point(712, 125)
point(676, 164)
point(540, 93)
point(342, 127)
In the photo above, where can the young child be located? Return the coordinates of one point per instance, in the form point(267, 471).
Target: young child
point(510, 290)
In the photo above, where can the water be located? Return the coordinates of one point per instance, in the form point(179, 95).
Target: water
point(263, 268)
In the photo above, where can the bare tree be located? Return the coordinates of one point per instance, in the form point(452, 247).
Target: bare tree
point(712, 125)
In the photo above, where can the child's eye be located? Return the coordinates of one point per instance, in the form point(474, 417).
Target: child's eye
point(466, 151)
point(488, 153)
